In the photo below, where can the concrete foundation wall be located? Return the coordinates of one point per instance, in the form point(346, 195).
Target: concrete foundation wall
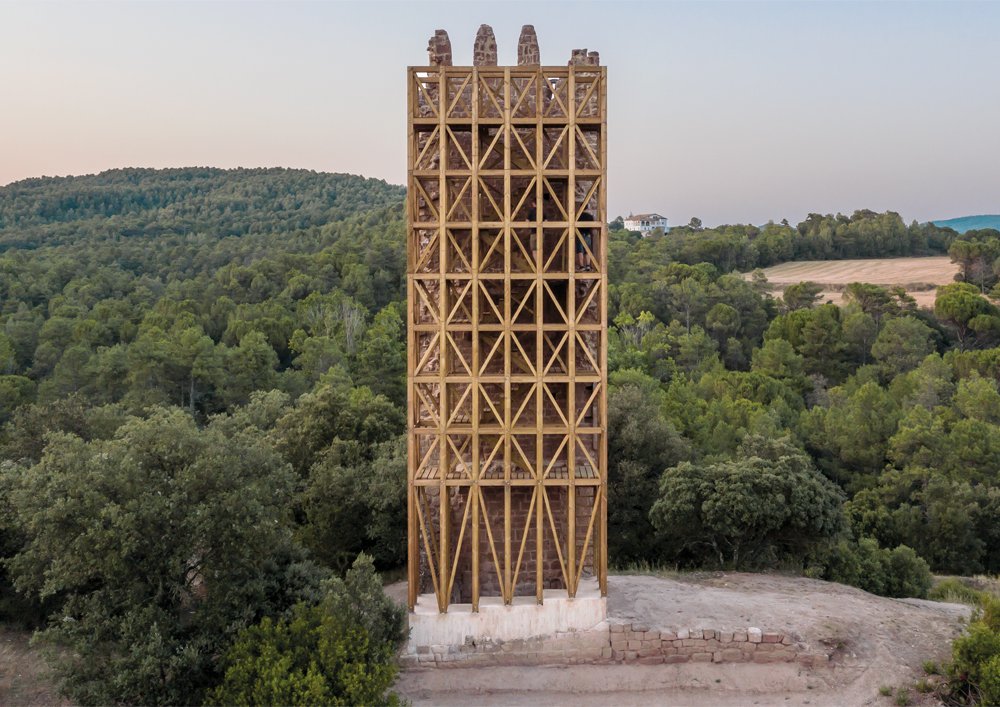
point(496, 624)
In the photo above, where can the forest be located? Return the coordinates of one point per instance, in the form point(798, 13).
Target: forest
point(202, 391)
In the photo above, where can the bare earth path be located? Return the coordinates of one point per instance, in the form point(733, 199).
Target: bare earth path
point(876, 641)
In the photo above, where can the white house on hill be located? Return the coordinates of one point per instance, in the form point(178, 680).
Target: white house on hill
point(644, 223)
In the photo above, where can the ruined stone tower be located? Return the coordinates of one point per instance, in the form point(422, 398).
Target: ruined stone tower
point(507, 348)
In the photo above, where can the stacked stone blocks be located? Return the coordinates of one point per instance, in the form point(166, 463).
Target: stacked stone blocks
point(628, 644)
point(640, 644)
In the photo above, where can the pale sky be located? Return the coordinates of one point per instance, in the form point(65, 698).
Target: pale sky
point(729, 111)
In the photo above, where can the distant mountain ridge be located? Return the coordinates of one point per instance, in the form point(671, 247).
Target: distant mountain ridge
point(970, 223)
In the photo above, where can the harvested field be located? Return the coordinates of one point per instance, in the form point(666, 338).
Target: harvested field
point(919, 276)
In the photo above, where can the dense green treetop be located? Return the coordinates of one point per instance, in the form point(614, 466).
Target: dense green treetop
point(148, 202)
point(863, 234)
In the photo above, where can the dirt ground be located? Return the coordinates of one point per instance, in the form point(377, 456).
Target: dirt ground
point(24, 676)
point(875, 641)
point(918, 275)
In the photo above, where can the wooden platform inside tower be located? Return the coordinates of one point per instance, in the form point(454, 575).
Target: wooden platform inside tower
point(507, 350)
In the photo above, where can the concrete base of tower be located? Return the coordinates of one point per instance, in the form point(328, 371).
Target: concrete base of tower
point(494, 624)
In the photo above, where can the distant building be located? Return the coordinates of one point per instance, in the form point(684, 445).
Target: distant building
point(644, 223)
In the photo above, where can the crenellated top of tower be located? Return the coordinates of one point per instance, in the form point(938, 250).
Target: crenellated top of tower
point(484, 49)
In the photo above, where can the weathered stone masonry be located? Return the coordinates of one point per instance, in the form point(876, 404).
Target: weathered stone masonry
point(627, 643)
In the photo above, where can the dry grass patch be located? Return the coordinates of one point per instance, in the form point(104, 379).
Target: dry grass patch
point(24, 676)
point(936, 270)
point(919, 276)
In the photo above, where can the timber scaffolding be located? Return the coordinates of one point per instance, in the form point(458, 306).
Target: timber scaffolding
point(507, 325)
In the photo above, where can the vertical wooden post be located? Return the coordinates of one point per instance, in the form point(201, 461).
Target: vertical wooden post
point(602, 564)
point(571, 340)
point(539, 295)
point(477, 404)
point(413, 550)
point(444, 508)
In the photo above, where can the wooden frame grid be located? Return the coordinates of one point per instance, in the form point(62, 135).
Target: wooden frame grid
point(507, 331)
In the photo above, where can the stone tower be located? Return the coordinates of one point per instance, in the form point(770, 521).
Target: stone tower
point(507, 348)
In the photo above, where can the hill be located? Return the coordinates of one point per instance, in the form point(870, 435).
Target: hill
point(92, 265)
point(161, 329)
point(970, 223)
point(191, 200)
point(124, 226)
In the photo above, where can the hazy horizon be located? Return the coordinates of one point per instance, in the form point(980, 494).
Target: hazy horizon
point(731, 112)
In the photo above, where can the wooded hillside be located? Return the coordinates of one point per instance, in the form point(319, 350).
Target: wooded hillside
point(201, 353)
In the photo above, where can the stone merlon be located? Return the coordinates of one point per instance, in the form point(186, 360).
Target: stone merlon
point(484, 49)
point(439, 49)
point(527, 47)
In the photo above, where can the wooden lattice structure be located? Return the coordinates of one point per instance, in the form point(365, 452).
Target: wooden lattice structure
point(507, 347)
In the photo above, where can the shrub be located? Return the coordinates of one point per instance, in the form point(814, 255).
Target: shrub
point(991, 612)
point(338, 652)
point(312, 658)
point(907, 574)
point(975, 670)
point(893, 573)
point(989, 681)
point(955, 591)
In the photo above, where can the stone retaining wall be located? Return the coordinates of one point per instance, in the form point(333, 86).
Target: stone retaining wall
point(624, 643)
point(639, 644)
